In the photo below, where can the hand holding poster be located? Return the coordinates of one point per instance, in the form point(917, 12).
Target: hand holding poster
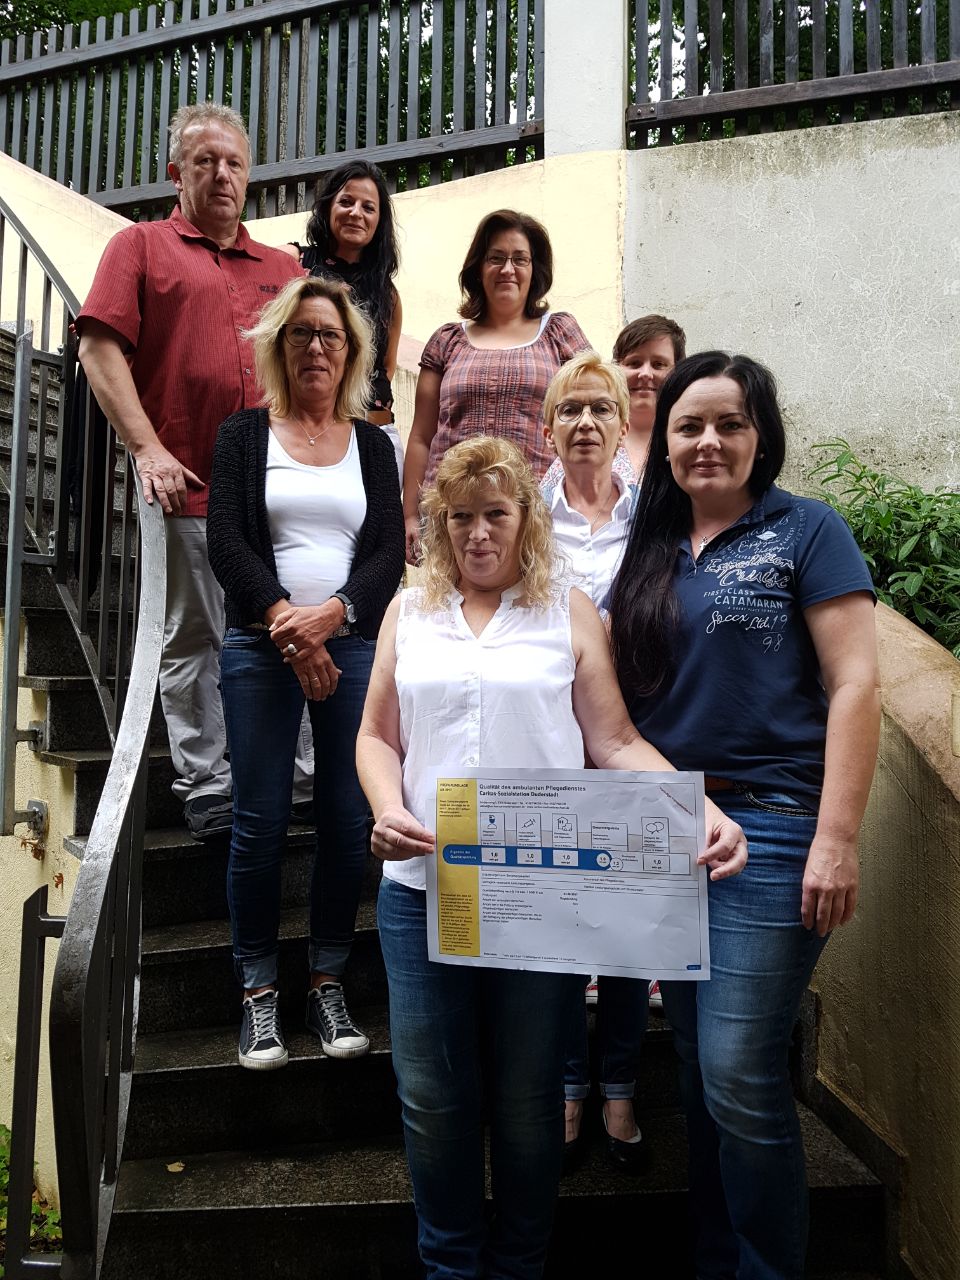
point(570, 870)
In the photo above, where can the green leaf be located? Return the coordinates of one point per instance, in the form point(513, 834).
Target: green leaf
point(912, 583)
point(908, 547)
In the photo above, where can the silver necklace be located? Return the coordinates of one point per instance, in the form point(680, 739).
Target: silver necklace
point(311, 440)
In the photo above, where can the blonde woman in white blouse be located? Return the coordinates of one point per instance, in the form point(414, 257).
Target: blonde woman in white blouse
point(492, 661)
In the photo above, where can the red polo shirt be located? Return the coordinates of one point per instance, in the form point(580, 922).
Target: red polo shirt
point(180, 303)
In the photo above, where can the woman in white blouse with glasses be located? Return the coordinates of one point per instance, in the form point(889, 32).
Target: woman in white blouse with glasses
point(586, 413)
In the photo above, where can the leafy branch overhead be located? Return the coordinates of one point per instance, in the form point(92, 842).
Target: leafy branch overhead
point(910, 538)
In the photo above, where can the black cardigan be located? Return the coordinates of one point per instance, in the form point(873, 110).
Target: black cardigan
point(238, 532)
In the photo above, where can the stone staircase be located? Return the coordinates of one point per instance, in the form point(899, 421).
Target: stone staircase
point(301, 1172)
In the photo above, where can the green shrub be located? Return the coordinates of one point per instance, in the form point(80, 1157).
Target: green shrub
point(909, 537)
point(45, 1233)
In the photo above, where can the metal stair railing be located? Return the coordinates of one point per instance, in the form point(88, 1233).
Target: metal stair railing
point(77, 519)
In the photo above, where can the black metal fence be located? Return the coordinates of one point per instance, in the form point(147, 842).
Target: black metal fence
point(710, 68)
point(428, 89)
point(77, 518)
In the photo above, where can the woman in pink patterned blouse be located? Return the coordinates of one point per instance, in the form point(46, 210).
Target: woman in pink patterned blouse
point(488, 374)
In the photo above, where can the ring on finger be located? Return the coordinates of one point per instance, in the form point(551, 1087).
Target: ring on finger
point(291, 649)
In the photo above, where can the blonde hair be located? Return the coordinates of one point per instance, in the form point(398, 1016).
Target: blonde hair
point(485, 462)
point(587, 364)
point(200, 113)
point(353, 395)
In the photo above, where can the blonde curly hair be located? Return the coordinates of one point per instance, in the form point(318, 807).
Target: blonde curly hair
point(474, 465)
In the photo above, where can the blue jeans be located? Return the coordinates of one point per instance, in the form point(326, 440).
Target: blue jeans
point(622, 1008)
point(747, 1178)
point(263, 705)
point(463, 1036)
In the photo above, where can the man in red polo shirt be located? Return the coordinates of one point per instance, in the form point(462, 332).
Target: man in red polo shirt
point(160, 340)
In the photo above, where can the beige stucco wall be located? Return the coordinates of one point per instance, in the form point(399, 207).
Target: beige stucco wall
point(832, 254)
point(25, 868)
point(70, 228)
point(889, 981)
point(580, 200)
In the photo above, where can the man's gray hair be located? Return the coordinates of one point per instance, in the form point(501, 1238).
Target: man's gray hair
point(203, 113)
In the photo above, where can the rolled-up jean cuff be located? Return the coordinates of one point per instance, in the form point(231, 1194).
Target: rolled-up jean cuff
point(256, 971)
point(330, 959)
point(576, 1092)
point(622, 1089)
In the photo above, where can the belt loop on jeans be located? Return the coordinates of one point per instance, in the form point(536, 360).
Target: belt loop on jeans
point(719, 784)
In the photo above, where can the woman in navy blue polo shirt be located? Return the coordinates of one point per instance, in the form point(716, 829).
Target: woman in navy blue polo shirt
point(743, 634)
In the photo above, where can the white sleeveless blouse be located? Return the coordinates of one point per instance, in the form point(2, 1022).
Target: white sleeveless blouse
point(503, 699)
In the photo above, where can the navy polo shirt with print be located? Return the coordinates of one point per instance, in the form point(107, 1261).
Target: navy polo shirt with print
point(746, 701)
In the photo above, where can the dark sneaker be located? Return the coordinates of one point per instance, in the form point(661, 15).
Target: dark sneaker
point(261, 1040)
point(209, 817)
point(327, 1017)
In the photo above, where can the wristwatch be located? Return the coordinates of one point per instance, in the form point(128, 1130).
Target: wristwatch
point(350, 613)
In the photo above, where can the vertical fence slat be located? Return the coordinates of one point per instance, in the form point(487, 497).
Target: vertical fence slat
point(538, 57)
point(49, 105)
point(741, 50)
point(219, 88)
point(372, 115)
point(353, 78)
point(272, 152)
point(641, 24)
point(766, 41)
point(185, 65)
point(203, 56)
point(846, 37)
point(900, 41)
point(113, 111)
point(394, 44)
point(716, 46)
point(791, 42)
point(33, 109)
point(500, 74)
point(16, 140)
point(63, 116)
point(4, 95)
point(333, 80)
point(460, 64)
point(149, 106)
point(666, 54)
point(238, 61)
point(954, 32)
point(96, 127)
point(436, 82)
point(313, 85)
point(874, 56)
point(480, 84)
point(413, 70)
point(166, 84)
point(294, 94)
point(133, 84)
point(79, 127)
point(928, 30)
point(523, 60)
point(819, 17)
point(691, 52)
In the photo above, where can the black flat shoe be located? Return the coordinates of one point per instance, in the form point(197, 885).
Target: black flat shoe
point(628, 1157)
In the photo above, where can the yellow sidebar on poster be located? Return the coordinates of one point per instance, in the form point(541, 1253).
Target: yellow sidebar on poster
point(458, 887)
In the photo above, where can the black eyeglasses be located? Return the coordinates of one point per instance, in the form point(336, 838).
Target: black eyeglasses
point(300, 335)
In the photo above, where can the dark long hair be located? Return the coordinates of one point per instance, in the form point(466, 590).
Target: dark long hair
point(644, 609)
point(381, 257)
point(541, 272)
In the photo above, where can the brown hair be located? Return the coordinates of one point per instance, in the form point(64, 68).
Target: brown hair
point(474, 302)
point(645, 329)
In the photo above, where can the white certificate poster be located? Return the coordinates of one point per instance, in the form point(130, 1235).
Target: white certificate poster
point(570, 870)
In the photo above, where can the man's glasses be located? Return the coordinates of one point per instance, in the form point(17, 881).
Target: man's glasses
point(500, 260)
point(569, 412)
point(299, 335)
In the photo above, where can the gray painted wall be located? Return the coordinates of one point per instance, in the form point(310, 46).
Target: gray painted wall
point(833, 255)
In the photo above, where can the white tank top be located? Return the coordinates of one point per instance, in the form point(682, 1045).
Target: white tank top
point(315, 516)
point(502, 699)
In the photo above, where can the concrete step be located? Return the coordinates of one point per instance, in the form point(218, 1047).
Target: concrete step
point(344, 1209)
point(190, 1092)
point(187, 977)
point(90, 770)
